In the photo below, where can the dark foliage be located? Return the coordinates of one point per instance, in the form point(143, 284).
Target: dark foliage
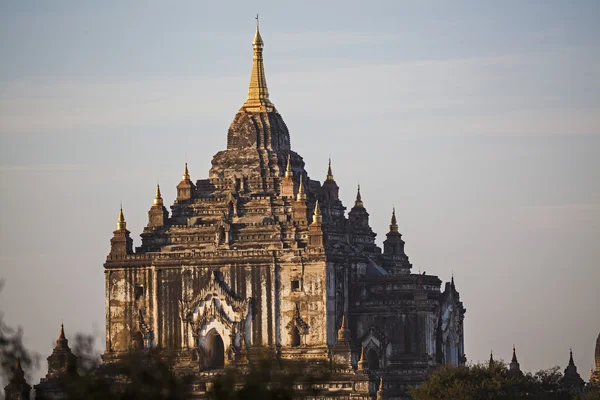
point(481, 382)
point(11, 347)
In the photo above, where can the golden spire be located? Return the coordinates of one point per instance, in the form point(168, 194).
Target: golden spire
point(381, 384)
point(301, 195)
point(358, 202)
point(343, 326)
point(158, 201)
point(62, 331)
point(121, 224)
point(186, 173)
point(329, 173)
point(288, 168)
point(258, 94)
point(362, 354)
point(317, 219)
point(394, 224)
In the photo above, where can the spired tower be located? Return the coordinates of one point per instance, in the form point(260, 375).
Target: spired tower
point(260, 259)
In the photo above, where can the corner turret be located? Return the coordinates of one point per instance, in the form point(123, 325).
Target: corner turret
point(315, 232)
point(185, 187)
point(358, 223)
point(393, 245)
point(330, 188)
point(287, 182)
point(121, 243)
point(158, 214)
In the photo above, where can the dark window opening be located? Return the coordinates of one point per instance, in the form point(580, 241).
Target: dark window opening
point(295, 285)
point(138, 292)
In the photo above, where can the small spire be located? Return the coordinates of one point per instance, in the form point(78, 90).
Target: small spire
point(394, 223)
point(381, 384)
point(317, 217)
point(329, 173)
point(358, 202)
point(491, 358)
point(121, 224)
point(571, 362)
point(62, 341)
point(343, 326)
point(288, 168)
point(158, 201)
point(186, 173)
point(362, 354)
point(18, 366)
point(514, 356)
point(301, 195)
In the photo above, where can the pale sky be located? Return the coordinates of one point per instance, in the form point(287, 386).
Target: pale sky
point(479, 121)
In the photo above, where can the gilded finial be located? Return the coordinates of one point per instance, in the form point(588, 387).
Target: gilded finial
point(358, 202)
point(257, 38)
point(394, 223)
point(186, 173)
point(288, 168)
point(158, 201)
point(62, 331)
point(343, 326)
point(301, 195)
point(121, 224)
point(362, 354)
point(329, 173)
point(258, 94)
point(381, 384)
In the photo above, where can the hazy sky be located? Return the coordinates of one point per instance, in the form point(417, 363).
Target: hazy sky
point(479, 121)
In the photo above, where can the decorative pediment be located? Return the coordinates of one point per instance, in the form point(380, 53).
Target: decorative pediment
point(214, 289)
point(373, 331)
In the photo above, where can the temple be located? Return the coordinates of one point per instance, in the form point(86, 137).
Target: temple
point(261, 260)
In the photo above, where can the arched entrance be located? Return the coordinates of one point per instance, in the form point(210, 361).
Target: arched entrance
point(295, 337)
point(216, 351)
point(372, 359)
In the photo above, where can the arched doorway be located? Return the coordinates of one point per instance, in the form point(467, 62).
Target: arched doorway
point(216, 351)
point(295, 337)
point(372, 359)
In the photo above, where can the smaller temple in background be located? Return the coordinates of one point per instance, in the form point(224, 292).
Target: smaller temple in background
point(571, 378)
point(17, 388)
point(595, 373)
